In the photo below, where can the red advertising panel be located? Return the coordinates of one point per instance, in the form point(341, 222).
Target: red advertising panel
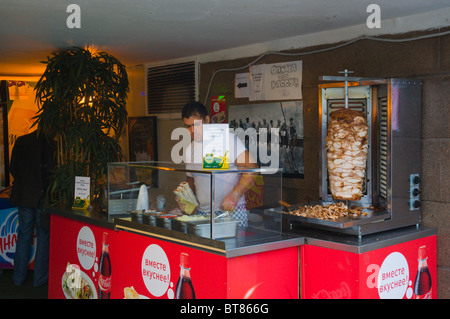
point(153, 268)
point(267, 275)
point(403, 271)
point(218, 109)
point(92, 262)
point(77, 258)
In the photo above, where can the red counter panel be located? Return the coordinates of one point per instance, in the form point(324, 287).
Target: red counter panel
point(146, 267)
point(392, 272)
point(80, 245)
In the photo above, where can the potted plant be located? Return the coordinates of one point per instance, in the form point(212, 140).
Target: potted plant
point(82, 100)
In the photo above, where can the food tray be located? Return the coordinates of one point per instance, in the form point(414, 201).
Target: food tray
point(165, 220)
point(180, 225)
point(372, 215)
point(145, 216)
point(223, 228)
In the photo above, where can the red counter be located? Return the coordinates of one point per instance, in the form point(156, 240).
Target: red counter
point(406, 268)
point(145, 266)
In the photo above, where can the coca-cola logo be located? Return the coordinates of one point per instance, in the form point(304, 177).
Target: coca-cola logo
point(104, 283)
point(342, 292)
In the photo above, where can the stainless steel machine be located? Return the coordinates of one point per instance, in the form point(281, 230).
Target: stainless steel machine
point(392, 182)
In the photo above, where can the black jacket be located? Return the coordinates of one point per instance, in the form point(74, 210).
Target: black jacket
point(31, 159)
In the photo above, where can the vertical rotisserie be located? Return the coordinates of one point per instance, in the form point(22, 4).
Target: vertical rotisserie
point(347, 153)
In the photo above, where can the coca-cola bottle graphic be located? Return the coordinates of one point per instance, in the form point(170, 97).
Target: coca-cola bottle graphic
point(104, 278)
point(184, 288)
point(422, 284)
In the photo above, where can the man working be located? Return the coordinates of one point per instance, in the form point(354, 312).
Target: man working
point(230, 187)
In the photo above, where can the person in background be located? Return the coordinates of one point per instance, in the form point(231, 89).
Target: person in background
point(229, 188)
point(31, 159)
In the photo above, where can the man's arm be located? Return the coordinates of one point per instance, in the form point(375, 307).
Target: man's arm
point(245, 161)
point(191, 183)
point(246, 181)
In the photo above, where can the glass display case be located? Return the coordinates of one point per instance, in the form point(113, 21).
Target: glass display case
point(174, 199)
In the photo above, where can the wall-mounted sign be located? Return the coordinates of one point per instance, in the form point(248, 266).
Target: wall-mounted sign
point(277, 81)
point(241, 86)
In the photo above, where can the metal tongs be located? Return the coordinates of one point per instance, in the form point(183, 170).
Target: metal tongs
point(226, 213)
point(285, 205)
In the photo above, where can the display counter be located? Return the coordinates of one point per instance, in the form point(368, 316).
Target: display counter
point(144, 261)
point(331, 265)
point(153, 251)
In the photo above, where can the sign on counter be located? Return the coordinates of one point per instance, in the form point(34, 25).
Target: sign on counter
point(215, 146)
point(82, 192)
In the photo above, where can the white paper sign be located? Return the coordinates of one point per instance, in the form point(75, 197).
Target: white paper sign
point(215, 146)
point(277, 81)
point(241, 85)
point(256, 83)
point(82, 191)
point(283, 81)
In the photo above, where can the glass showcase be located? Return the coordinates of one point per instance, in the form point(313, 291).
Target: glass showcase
point(169, 196)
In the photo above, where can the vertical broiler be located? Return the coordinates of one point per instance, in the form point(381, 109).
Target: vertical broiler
point(378, 122)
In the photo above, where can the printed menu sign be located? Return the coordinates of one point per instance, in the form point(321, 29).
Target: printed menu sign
point(82, 191)
point(215, 146)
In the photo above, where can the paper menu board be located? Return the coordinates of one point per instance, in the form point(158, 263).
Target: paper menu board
point(82, 192)
point(215, 149)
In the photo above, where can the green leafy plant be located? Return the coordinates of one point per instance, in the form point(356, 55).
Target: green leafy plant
point(82, 101)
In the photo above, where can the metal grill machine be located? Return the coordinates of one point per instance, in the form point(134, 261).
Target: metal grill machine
point(391, 187)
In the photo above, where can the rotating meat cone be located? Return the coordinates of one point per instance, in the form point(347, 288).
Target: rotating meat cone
point(347, 153)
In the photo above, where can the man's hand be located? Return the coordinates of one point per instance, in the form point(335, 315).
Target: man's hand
point(182, 207)
point(230, 201)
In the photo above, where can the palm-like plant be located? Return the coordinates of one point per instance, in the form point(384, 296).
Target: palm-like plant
point(82, 100)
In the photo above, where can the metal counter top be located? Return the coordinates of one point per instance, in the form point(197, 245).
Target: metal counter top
point(248, 241)
point(254, 240)
point(84, 215)
point(349, 243)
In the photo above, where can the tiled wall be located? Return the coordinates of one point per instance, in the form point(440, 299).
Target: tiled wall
point(427, 59)
point(436, 171)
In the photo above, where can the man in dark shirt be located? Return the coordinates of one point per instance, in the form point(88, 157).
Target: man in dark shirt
point(31, 158)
